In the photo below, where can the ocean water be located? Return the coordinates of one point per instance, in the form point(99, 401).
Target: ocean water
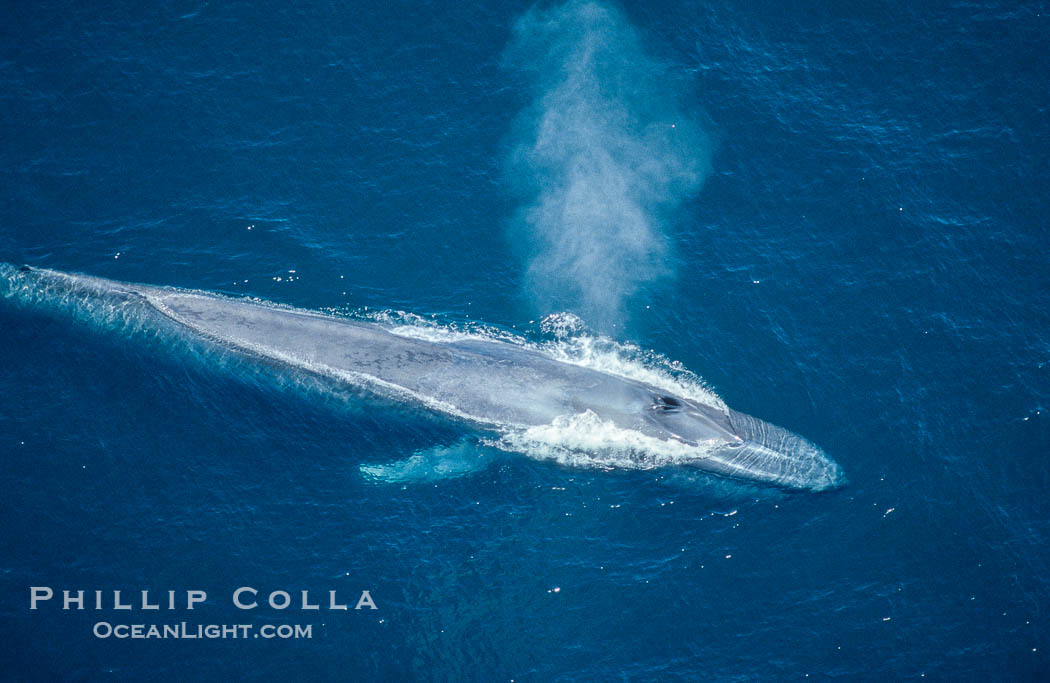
point(844, 233)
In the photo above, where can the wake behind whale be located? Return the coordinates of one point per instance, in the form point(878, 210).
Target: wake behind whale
point(531, 400)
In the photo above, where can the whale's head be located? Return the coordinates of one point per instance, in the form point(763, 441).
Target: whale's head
point(783, 457)
point(737, 445)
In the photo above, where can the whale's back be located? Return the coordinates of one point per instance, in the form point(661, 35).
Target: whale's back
point(489, 382)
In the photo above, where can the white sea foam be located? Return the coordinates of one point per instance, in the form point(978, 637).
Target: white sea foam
point(585, 440)
point(631, 361)
point(433, 330)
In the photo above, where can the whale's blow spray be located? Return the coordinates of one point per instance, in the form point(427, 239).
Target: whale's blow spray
point(604, 154)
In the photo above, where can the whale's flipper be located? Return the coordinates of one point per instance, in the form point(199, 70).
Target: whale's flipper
point(431, 464)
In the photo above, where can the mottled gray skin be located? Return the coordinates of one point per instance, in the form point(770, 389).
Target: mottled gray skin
point(492, 383)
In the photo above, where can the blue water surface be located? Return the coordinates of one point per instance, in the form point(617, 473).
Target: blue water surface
point(865, 265)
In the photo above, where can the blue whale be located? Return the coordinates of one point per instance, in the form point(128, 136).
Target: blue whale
point(525, 395)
